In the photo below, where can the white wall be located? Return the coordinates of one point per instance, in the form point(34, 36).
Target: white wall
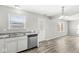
point(46, 28)
point(31, 20)
point(51, 31)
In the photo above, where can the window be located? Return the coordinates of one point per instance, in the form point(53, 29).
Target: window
point(60, 27)
point(16, 22)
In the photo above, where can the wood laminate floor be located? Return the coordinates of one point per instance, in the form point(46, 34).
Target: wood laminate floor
point(67, 44)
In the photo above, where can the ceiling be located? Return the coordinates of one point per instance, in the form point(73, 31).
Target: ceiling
point(70, 11)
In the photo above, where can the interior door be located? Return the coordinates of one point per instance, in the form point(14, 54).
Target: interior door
point(41, 28)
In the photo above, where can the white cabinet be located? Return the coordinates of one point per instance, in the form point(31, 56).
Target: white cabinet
point(17, 44)
point(22, 43)
point(11, 45)
point(1, 45)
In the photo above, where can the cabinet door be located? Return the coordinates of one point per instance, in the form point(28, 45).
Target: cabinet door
point(1, 45)
point(11, 45)
point(22, 43)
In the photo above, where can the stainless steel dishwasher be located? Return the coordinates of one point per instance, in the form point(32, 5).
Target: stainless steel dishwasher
point(32, 41)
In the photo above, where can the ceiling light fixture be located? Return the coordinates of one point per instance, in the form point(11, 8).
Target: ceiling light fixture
point(17, 6)
point(62, 16)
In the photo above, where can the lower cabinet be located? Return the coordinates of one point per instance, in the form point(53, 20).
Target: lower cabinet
point(16, 44)
point(22, 43)
point(11, 45)
point(1, 45)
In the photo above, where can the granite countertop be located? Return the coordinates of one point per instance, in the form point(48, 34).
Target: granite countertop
point(11, 32)
point(14, 34)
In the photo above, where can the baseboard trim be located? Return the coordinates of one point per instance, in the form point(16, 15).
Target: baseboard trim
point(53, 38)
